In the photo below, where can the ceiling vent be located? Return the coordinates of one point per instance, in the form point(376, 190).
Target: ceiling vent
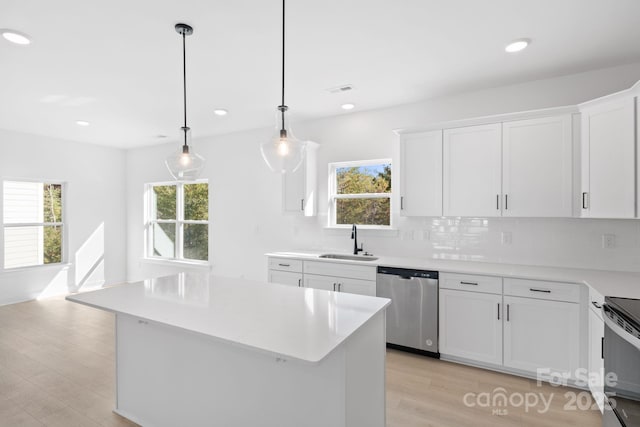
point(340, 89)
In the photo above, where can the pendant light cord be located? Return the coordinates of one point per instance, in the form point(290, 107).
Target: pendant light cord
point(282, 106)
point(184, 82)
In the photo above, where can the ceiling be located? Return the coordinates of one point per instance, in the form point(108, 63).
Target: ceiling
point(117, 63)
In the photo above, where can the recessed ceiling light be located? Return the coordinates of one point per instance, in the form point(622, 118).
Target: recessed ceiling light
point(348, 106)
point(220, 112)
point(517, 45)
point(82, 123)
point(16, 37)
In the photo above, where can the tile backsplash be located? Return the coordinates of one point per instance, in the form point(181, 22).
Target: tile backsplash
point(566, 242)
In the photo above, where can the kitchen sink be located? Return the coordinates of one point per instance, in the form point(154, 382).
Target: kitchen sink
point(349, 257)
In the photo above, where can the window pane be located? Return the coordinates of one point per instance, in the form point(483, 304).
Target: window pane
point(52, 244)
point(52, 206)
point(364, 179)
point(164, 197)
point(22, 202)
point(363, 211)
point(164, 240)
point(29, 246)
point(196, 202)
point(196, 241)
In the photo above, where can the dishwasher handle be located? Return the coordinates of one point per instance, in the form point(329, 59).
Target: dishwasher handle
point(407, 273)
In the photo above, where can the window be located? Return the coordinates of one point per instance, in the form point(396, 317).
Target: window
point(32, 223)
point(360, 193)
point(178, 221)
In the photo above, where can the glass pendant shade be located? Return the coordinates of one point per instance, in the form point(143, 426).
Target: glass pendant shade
point(283, 152)
point(184, 164)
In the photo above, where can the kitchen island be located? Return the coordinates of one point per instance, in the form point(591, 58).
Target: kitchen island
point(203, 350)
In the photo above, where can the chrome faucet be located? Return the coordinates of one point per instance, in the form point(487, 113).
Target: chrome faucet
point(354, 236)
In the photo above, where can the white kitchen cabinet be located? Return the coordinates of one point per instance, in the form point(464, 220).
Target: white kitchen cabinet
point(537, 165)
point(541, 334)
point(609, 158)
point(471, 325)
point(340, 284)
point(596, 350)
point(421, 174)
point(472, 171)
point(300, 188)
point(327, 283)
point(285, 277)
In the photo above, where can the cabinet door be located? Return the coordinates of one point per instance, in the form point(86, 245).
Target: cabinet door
point(421, 174)
point(285, 277)
point(299, 188)
point(537, 167)
point(473, 171)
point(541, 334)
point(328, 283)
point(596, 361)
point(293, 190)
point(608, 144)
point(356, 286)
point(471, 325)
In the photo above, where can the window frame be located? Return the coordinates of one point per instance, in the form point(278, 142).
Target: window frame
point(64, 258)
point(179, 222)
point(333, 196)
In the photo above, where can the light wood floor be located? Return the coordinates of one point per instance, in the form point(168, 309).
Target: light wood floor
point(57, 369)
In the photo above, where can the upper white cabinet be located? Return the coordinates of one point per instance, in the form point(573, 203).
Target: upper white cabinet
point(421, 174)
point(472, 171)
point(537, 165)
point(517, 168)
point(609, 158)
point(299, 188)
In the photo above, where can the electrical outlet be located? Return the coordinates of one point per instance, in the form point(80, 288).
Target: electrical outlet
point(507, 238)
point(608, 241)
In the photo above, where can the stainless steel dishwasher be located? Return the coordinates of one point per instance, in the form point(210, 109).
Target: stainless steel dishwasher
point(412, 316)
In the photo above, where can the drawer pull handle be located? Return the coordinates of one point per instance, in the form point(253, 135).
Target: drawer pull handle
point(299, 283)
point(508, 312)
point(546, 291)
point(584, 200)
point(284, 265)
point(498, 311)
point(595, 304)
point(469, 283)
point(334, 287)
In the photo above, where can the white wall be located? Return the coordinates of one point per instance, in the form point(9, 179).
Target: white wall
point(94, 205)
point(245, 203)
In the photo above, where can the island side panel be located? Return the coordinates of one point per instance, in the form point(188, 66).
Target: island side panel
point(365, 374)
point(168, 377)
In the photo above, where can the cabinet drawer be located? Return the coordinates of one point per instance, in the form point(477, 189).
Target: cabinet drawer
point(285, 264)
point(555, 291)
point(473, 283)
point(363, 272)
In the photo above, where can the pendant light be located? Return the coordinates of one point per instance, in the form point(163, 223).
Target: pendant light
point(185, 164)
point(283, 152)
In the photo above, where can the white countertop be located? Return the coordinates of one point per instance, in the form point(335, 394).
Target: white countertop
point(300, 323)
point(607, 283)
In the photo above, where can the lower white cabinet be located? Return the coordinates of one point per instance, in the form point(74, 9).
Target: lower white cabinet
point(596, 356)
point(541, 334)
point(340, 284)
point(471, 325)
point(522, 325)
point(285, 277)
point(338, 277)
